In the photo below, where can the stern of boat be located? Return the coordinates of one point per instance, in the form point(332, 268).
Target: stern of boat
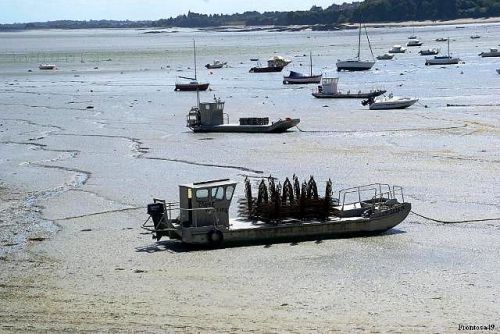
point(284, 125)
point(382, 205)
point(159, 223)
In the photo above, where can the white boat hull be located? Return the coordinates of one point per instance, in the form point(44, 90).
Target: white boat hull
point(396, 104)
point(354, 65)
point(442, 61)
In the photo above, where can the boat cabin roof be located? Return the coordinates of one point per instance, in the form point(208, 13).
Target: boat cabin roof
point(209, 184)
point(214, 105)
point(329, 80)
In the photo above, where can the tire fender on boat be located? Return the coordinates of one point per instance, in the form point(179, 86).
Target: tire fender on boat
point(215, 237)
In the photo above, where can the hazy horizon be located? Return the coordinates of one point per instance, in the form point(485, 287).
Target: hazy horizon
point(23, 11)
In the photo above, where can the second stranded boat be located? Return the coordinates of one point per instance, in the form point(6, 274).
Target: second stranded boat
point(209, 117)
point(277, 213)
point(275, 64)
point(329, 90)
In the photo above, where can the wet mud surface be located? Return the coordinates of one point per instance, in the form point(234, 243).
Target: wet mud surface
point(83, 150)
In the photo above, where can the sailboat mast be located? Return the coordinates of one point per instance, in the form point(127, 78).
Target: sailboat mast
point(448, 46)
point(196, 77)
point(194, 48)
point(359, 41)
point(311, 61)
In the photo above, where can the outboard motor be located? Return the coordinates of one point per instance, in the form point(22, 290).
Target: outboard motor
point(156, 211)
point(368, 101)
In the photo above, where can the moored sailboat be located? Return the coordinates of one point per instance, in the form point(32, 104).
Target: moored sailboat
point(357, 64)
point(193, 85)
point(299, 78)
point(443, 60)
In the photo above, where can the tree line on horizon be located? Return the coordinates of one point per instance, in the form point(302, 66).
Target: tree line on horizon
point(366, 11)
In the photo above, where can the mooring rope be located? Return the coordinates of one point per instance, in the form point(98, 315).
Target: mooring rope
point(472, 105)
point(382, 131)
point(454, 221)
point(423, 105)
point(101, 213)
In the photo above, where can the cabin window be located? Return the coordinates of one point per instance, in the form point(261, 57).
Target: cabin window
point(218, 193)
point(202, 193)
point(229, 192)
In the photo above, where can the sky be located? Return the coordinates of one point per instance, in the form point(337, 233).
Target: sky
point(19, 11)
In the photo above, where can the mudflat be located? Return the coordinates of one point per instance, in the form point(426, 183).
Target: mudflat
point(84, 149)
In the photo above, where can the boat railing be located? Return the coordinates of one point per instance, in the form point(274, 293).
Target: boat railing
point(392, 195)
point(170, 209)
point(358, 192)
point(375, 188)
point(398, 190)
point(166, 217)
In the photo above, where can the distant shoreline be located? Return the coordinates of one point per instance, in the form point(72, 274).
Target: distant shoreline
point(435, 23)
point(288, 28)
point(347, 26)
